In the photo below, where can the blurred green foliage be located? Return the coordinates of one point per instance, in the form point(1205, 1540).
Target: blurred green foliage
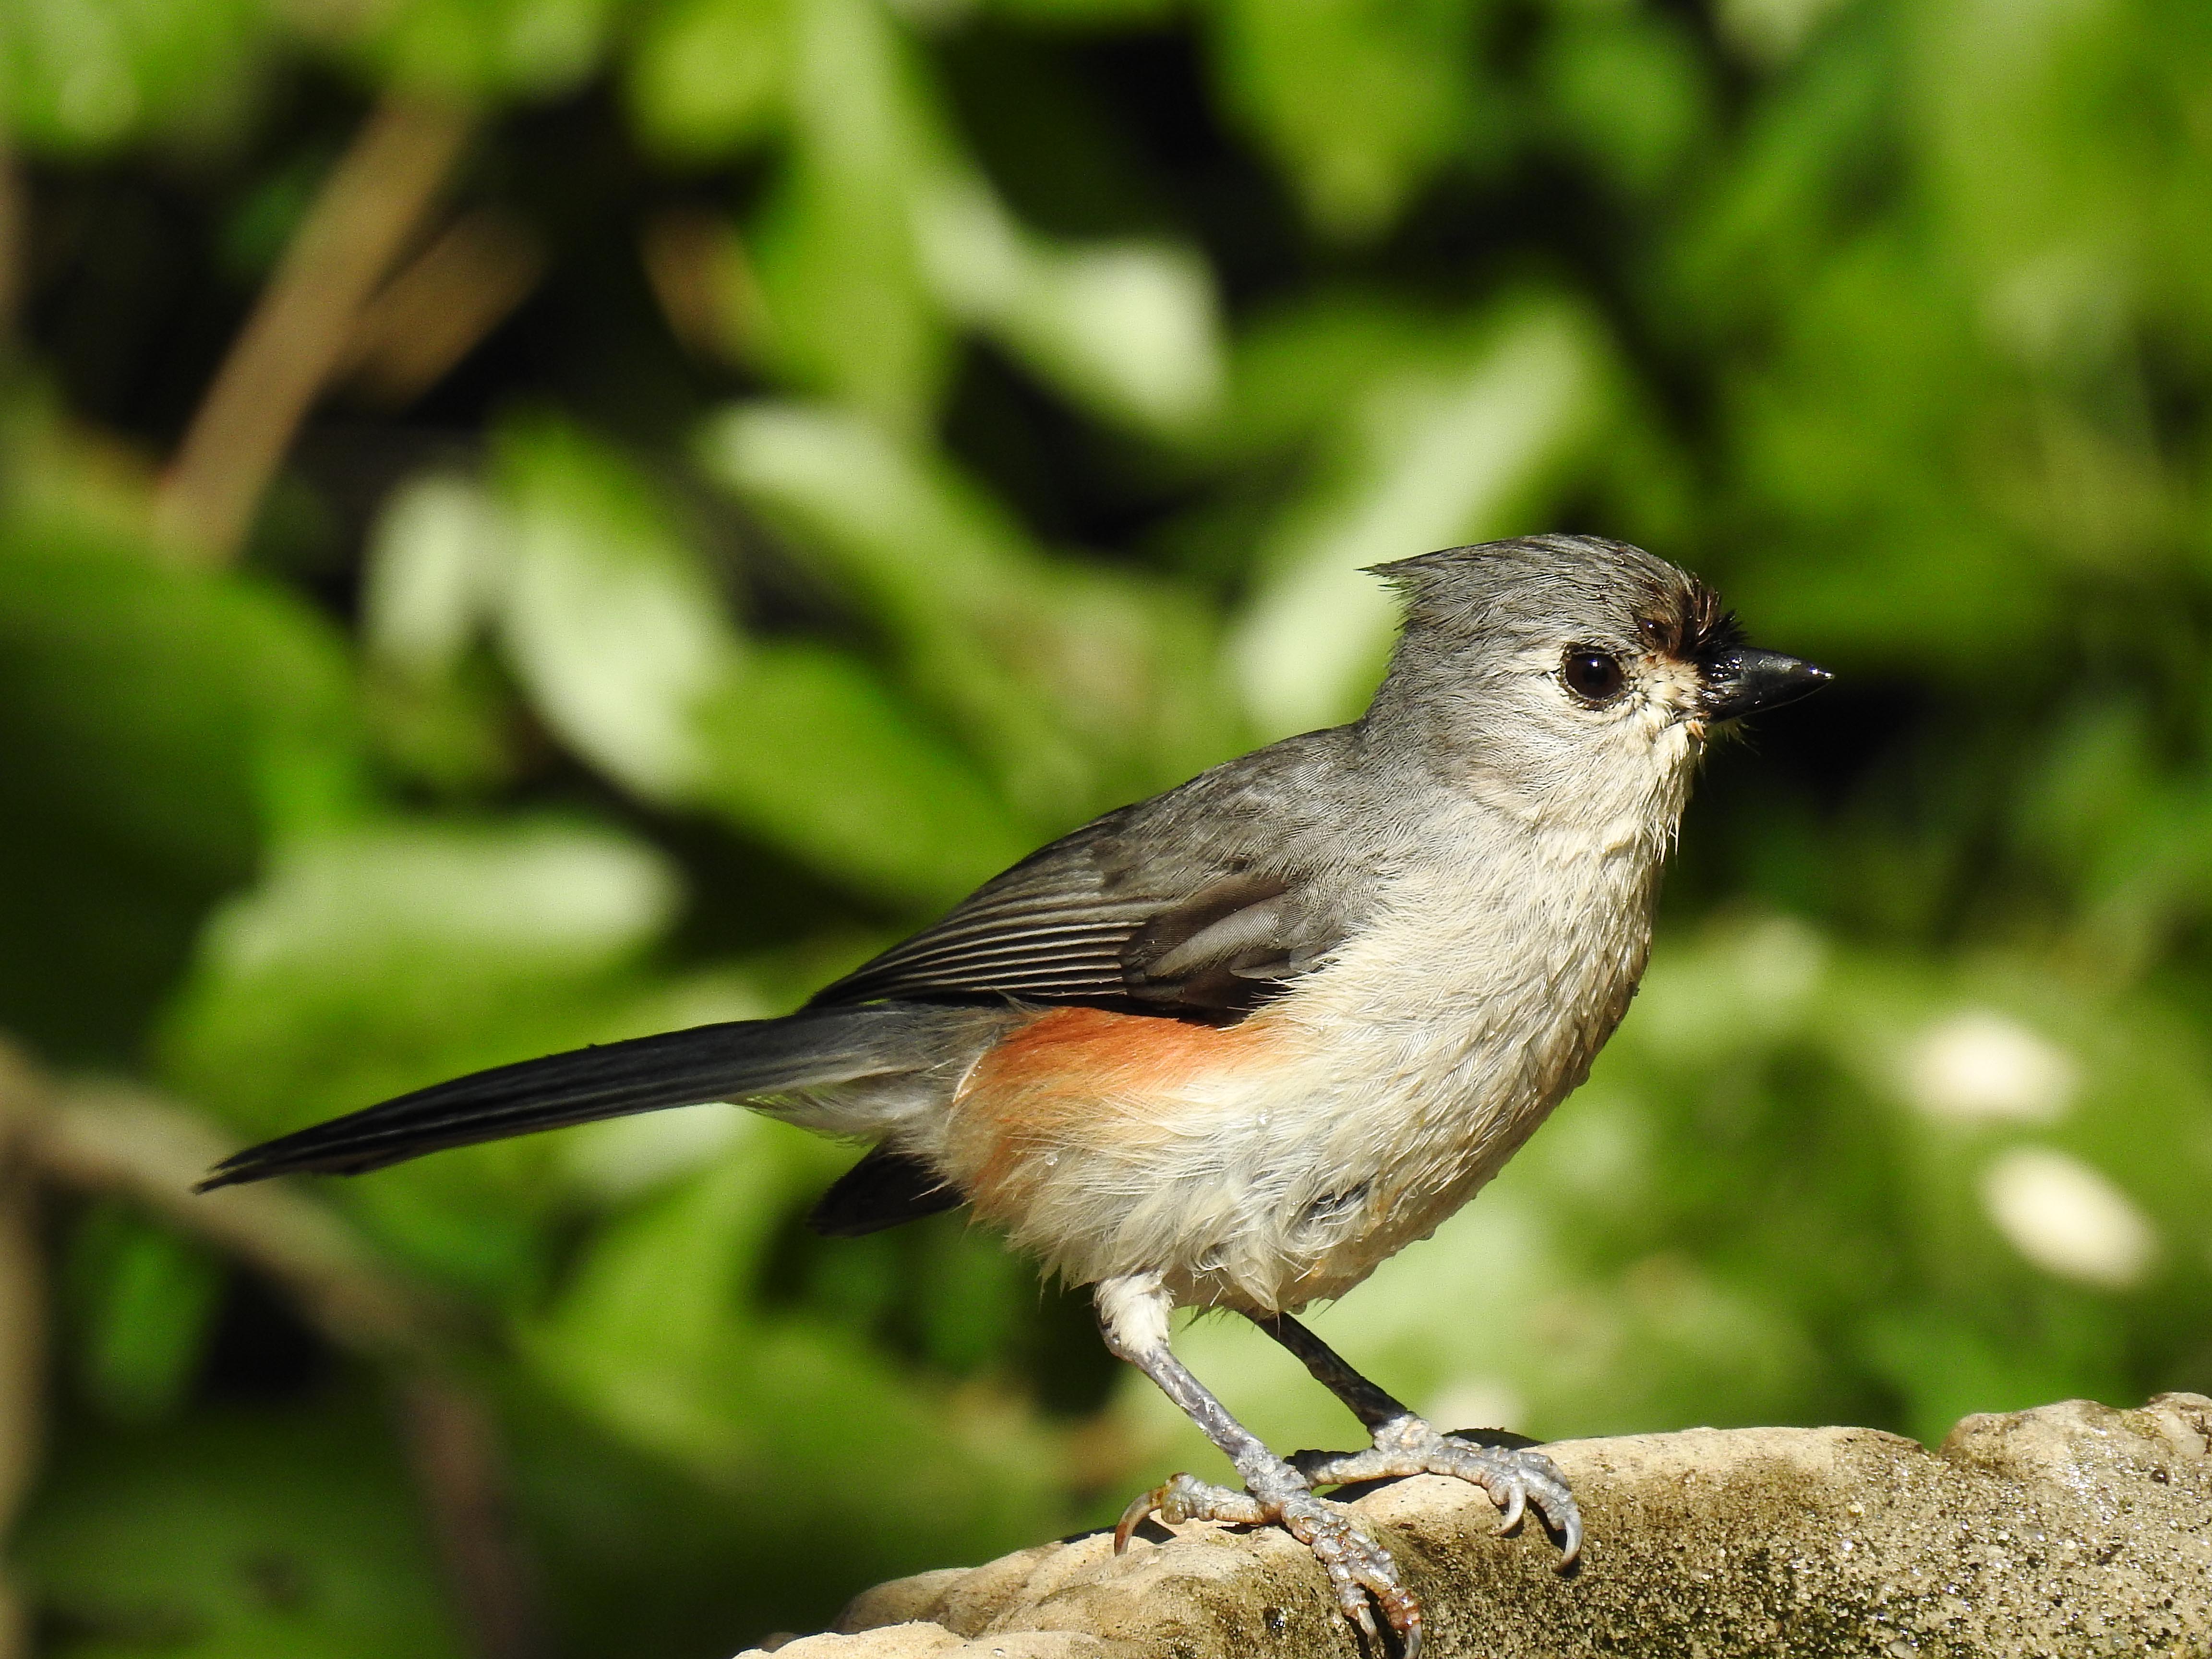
point(942, 420)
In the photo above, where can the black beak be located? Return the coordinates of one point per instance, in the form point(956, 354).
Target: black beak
point(1743, 678)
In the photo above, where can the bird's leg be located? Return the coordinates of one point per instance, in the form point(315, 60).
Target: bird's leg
point(1514, 1477)
point(1132, 1312)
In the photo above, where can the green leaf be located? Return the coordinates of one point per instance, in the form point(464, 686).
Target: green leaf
point(1769, 33)
point(434, 575)
point(143, 1299)
point(809, 751)
point(847, 312)
point(373, 962)
point(1359, 99)
point(1630, 90)
point(159, 726)
point(659, 1339)
point(432, 581)
point(485, 48)
point(1127, 330)
point(896, 522)
point(87, 77)
point(708, 78)
point(155, 704)
point(1083, 14)
point(272, 1533)
point(1078, 687)
point(1298, 365)
point(610, 620)
point(923, 549)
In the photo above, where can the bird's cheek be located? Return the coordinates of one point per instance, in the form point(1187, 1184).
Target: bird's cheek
point(1676, 687)
point(1659, 721)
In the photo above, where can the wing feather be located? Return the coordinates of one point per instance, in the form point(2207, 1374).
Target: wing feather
point(1201, 903)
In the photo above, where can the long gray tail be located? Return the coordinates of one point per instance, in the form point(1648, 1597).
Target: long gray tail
point(813, 1048)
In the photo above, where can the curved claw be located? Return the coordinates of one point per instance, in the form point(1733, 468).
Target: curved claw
point(1563, 1516)
point(1516, 1506)
point(1571, 1541)
point(1142, 1509)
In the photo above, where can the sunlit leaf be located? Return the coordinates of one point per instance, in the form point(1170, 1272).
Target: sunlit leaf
point(1769, 33)
point(434, 575)
point(709, 75)
point(947, 568)
point(1126, 329)
point(526, 48)
point(609, 615)
point(1077, 686)
point(363, 961)
point(848, 310)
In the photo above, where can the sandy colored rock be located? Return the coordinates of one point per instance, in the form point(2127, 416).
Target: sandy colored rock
point(928, 1641)
point(2073, 1529)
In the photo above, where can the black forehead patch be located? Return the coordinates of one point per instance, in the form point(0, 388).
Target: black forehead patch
point(1685, 621)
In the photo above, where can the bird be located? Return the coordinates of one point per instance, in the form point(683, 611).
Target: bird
point(1234, 1046)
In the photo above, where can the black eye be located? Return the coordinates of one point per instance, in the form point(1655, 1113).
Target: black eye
point(1592, 676)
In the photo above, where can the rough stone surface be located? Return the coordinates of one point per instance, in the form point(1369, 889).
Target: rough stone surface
point(2072, 1529)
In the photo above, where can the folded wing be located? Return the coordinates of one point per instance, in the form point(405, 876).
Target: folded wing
point(1202, 903)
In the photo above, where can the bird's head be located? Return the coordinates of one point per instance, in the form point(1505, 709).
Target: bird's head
point(1575, 678)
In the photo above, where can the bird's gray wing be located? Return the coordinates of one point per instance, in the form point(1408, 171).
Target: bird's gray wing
point(1202, 903)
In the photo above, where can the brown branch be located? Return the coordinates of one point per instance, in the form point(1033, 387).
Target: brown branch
point(440, 307)
point(453, 1444)
point(367, 211)
point(14, 251)
point(702, 281)
point(128, 1143)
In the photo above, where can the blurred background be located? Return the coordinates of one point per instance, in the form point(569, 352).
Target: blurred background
point(527, 522)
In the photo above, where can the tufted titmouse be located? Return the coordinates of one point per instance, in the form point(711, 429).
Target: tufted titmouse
point(1234, 1046)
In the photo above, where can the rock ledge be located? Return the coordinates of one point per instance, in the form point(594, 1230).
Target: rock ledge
point(2071, 1529)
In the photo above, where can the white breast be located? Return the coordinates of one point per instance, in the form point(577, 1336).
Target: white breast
point(1446, 1034)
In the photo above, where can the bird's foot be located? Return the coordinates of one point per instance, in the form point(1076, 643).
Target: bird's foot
point(1357, 1567)
point(1517, 1478)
